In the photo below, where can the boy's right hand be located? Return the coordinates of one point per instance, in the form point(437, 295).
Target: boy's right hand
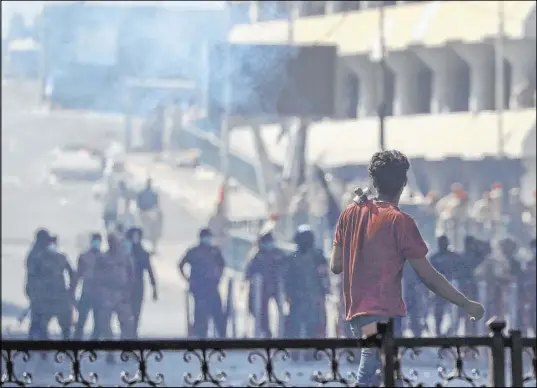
point(474, 309)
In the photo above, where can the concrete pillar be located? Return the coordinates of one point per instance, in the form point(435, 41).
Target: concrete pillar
point(370, 4)
point(303, 9)
point(480, 59)
point(521, 57)
point(367, 103)
point(367, 74)
point(406, 67)
point(253, 11)
point(444, 64)
point(481, 86)
point(443, 90)
point(344, 77)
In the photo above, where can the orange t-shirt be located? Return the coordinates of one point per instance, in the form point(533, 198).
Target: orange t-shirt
point(372, 276)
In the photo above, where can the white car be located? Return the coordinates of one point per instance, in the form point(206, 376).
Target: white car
point(77, 163)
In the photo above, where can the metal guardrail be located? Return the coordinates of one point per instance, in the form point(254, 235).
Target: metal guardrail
point(267, 354)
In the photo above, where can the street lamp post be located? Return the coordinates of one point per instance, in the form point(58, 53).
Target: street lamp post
point(500, 78)
point(382, 79)
point(225, 120)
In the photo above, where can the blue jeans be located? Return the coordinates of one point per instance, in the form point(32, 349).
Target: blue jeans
point(369, 357)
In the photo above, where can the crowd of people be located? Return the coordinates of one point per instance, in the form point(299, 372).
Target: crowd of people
point(113, 283)
point(498, 279)
point(298, 281)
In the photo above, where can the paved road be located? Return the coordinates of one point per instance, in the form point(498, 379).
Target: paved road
point(30, 201)
point(238, 368)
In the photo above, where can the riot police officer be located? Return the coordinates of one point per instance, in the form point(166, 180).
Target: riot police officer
point(206, 268)
point(306, 286)
point(142, 264)
point(87, 300)
point(265, 265)
point(50, 295)
point(114, 278)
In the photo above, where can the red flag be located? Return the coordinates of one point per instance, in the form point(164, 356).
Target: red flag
point(222, 193)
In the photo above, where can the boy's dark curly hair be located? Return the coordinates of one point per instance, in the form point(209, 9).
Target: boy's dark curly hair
point(388, 170)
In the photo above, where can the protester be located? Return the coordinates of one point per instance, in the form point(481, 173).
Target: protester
point(206, 268)
point(85, 272)
point(372, 240)
point(265, 264)
point(142, 264)
point(219, 223)
point(514, 212)
point(299, 207)
point(112, 196)
point(150, 214)
point(481, 215)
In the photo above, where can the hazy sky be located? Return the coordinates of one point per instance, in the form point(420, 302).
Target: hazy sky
point(29, 9)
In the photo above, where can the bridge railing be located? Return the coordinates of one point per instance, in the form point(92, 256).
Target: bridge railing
point(270, 362)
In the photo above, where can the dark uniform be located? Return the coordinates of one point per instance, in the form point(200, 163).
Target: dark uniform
point(444, 261)
point(142, 263)
point(306, 286)
point(42, 240)
point(48, 292)
point(516, 274)
point(87, 301)
point(413, 292)
point(114, 274)
point(474, 254)
point(266, 262)
point(206, 269)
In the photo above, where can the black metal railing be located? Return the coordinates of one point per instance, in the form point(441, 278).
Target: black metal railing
point(266, 362)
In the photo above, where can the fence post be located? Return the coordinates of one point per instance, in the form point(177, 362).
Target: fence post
point(516, 358)
point(388, 352)
point(513, 301)
point(497, 353)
